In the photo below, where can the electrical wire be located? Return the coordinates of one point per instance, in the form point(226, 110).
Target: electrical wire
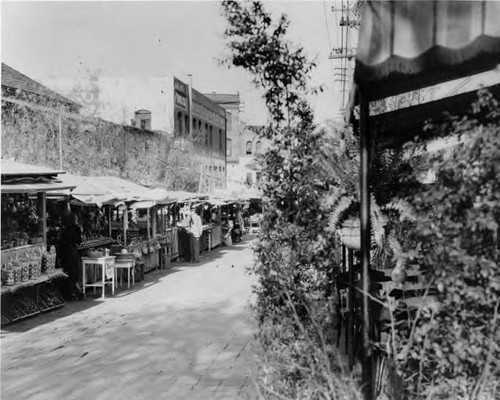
point(330, 48)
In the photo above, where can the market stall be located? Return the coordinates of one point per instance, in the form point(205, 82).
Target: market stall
point(120, 215)
point(213, 217)
point(28, 268)
point(199, 202)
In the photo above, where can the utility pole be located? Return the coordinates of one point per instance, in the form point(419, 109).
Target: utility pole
point(190, 110)
point(345, 53)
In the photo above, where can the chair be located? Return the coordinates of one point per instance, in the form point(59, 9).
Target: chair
point(254, 225)
point(125, 261)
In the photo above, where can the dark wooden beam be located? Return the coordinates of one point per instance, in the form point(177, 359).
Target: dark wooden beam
point(365, 143)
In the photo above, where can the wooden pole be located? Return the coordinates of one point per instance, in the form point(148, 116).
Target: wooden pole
point(153, 221)
point(148, 223)
point(108, 215)
point(125, 224)
point(344, 260)
point(365, 241)
point(350, 267)
point(60, 143)
point(42, 214)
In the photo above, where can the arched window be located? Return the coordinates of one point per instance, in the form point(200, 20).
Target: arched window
point(186, 125)
point(229, 147)
point(258, 147)
point(179, 124)
point(249, 147)
point(221, 145)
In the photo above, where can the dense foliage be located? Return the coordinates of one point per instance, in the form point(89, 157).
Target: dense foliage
point(454, 351)
point(297, 259)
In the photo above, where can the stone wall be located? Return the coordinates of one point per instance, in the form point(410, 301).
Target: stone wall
point(90, 146)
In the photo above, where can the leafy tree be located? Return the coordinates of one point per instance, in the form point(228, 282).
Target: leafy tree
point(454, 351)
point(296, 258)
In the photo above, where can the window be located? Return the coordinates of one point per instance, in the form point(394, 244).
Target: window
point(229, 147)
point(186, 125)
point(258, 147)
point(249, 147)
point(143, 124)
point(206, 135)
point(179, 124)
point(211, 140)
point(221, 145)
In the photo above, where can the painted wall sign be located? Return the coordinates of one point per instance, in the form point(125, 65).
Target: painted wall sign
point(181, 100)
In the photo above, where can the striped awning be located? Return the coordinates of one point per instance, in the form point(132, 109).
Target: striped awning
point(409, 44)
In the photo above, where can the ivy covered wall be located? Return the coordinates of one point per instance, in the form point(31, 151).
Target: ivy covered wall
point(89, 146)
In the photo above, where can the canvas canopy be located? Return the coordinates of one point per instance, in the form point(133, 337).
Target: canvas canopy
point(409, 44)
point(24, 178)
point(101, 190)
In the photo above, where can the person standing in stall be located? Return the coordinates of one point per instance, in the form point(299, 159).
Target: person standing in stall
point(70, 238)
point(195, 231)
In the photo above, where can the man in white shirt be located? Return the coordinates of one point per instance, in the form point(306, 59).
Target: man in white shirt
point(195, 231)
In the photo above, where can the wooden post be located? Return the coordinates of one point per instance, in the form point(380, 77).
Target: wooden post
point(350, 267)
point(60, 143)
point(42, 214)
point(108, 215)
point(344, 260)
point(153, 221)
point(125, 224)
point(365, 241)
point(148, 222)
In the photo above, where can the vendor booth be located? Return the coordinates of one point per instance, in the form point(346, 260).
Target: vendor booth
point(123, 219)
point(29, 272)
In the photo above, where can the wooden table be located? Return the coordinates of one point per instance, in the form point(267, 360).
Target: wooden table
point(105, 262)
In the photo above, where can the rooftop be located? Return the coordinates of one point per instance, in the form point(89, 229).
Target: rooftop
point(224, 98)
point(16, 80)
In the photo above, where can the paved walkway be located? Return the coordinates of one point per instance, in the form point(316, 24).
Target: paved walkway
point(180, 334)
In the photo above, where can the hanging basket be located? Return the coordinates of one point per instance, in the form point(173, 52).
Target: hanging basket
point(350, 234)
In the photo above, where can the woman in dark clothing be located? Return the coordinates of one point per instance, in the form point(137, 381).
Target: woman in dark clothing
point(71, 237)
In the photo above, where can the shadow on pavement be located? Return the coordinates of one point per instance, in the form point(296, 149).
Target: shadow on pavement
point(94, 300)
point(158, 353)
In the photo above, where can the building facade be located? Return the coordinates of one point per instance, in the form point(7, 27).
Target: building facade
point(243, 144)
point(201, 125)
point(40, 126)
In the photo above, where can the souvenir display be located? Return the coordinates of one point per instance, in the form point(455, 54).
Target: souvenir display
point(20, 221)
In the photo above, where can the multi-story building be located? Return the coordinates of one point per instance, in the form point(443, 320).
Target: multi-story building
point(172, 107)
point(178, 135)
point(243, 144)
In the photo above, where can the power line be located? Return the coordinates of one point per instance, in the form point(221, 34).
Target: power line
point(327, 26)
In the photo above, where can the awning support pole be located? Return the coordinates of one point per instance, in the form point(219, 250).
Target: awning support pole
point(365, 240)
point(60, 142)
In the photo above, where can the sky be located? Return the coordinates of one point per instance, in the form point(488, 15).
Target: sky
point(61, 43)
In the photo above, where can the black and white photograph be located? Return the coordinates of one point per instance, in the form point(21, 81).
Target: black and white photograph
point(250, 200)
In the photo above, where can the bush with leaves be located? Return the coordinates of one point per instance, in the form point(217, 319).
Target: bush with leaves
point(297, 260)
point(454, 352)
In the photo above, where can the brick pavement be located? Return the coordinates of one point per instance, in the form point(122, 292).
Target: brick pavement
point(186, 333)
